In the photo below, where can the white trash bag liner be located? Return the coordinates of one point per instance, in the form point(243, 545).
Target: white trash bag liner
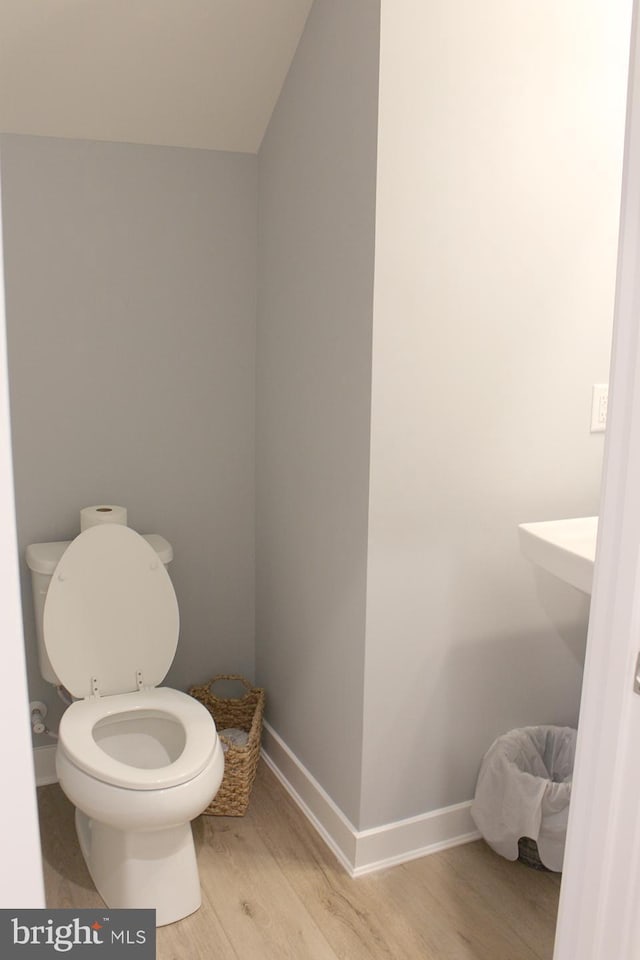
point(523, 790)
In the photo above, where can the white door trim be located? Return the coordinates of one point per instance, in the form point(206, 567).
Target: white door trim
point(21, 883)
point(598, 916)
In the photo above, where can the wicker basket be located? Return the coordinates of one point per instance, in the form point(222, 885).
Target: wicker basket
point(240, 762)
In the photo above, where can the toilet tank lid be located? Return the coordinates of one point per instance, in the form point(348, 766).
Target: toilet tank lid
point(44, 557)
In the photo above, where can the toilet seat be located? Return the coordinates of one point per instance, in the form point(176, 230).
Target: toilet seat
point(79, 720)
point(111, 617)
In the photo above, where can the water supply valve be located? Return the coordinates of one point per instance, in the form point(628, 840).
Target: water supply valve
point(38, 713)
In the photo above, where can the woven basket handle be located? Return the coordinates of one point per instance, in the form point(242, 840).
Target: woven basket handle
point(229, 676)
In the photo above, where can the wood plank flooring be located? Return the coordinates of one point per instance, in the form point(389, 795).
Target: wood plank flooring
point(273, 891)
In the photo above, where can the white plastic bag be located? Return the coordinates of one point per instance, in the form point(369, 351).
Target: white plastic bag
point(524, 789)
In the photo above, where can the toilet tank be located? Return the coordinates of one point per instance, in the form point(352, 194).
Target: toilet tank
point(42, 559)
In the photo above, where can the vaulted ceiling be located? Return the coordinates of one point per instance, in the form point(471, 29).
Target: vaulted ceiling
point(191, 73)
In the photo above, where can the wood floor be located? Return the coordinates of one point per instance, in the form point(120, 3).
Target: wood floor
point(273, 891)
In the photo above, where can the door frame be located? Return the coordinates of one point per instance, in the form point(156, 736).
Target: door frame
point(21, 882)
point(598, 915)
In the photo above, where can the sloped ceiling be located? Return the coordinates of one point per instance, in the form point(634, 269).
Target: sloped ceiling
point(190, 73)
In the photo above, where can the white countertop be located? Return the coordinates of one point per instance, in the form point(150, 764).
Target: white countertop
point(564, 548)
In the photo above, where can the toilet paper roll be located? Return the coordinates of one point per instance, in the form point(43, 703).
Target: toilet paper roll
point(103, 513)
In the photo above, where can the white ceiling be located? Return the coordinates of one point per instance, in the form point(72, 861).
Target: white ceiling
point(190, 73)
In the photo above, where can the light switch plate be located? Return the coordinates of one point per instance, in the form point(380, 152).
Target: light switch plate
point(599, 402)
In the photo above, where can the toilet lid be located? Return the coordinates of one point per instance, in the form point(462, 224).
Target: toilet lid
point(110, 612)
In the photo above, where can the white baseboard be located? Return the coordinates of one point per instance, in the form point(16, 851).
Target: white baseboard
point(335, 829)
point(44, 763)
point(405, 840)
point(364, 851)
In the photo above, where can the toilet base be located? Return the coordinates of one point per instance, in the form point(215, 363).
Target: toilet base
point(154, 869)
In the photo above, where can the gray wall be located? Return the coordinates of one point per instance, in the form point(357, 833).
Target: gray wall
point(316, 232)
point(499, 167)
point(130, 274)
point(496, 215)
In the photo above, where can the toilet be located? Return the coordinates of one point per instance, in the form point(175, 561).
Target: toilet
point(137, 760)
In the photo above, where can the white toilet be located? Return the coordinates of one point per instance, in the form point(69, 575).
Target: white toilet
point(138, 761)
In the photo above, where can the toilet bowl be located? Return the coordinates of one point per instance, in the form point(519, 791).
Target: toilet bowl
point(138, 767)
point(138, 761)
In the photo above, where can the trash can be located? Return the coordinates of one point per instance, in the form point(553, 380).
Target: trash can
point(523, 793)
